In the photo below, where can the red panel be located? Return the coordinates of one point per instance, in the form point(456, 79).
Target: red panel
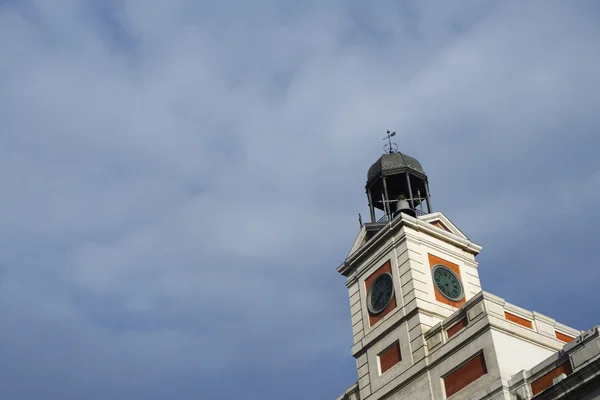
point(390, 357)
point(465, 374)
point(456, 327)
point(387, 267)
point(563, 337)
point(518, 320)
point(544, 382)
point(439, 224)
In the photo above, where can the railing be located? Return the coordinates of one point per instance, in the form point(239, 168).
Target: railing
point(384, 218)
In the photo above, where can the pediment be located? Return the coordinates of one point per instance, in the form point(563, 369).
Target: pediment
point(442, 222)
point(436, 219)
point(359, 241)
point(367, 231)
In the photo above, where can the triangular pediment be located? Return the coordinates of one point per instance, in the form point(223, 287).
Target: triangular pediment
point(436, 219)
point(442, 222)
point(360, 240)
point(366, 232)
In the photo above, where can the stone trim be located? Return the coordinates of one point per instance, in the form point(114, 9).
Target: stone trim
point(525, 381)
point(494, 306)
point(395, 225)
point(351, 393)
point(568, 388)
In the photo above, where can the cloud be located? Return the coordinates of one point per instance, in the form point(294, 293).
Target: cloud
point(180, 179)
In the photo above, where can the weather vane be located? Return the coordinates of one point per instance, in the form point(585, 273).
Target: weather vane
point(390, 147)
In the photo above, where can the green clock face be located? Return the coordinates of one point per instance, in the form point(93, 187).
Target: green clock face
point(380, 293)
point(447, 282)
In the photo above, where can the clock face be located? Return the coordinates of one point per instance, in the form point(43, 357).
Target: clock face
point(447, 282)
point(380, 293)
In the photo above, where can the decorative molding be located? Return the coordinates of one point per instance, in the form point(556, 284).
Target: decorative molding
point(418, 224)
point(438, 216)
point(375, 259)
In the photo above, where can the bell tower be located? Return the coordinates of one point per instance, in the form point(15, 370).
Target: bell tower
point(422, 326)
point(408, 270)
point(396, 183)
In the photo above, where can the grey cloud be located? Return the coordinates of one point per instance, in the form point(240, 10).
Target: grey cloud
point(180, 179)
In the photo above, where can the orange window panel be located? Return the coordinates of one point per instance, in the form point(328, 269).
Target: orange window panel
point(563, 337)
point(465, 374)
point(456, 327)
point(544, 382)
point(518, 320)
point(390, 357)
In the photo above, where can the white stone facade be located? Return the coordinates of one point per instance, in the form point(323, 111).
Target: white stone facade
point(419, 322)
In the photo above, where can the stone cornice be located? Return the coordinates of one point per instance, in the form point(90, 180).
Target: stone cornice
point(567, 388)
point(396, 224)
point(498, 321)
point(350, 391)
point(589, 370)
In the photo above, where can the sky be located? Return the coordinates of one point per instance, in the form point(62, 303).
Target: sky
point(180, 179)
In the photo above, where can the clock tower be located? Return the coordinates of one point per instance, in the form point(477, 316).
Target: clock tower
point(422, 326)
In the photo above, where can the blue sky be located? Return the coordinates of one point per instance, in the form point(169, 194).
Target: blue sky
point(181, 178)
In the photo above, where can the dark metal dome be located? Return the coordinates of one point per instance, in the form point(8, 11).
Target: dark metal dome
point(389, 163)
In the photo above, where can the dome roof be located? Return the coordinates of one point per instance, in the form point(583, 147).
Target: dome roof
point(393, 162)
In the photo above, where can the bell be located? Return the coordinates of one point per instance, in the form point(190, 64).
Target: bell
point(402, 206)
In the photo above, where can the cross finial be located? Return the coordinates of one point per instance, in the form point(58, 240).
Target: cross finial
point(390, 147)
